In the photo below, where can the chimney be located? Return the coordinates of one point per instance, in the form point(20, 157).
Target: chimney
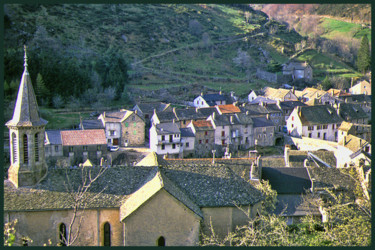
point(278, 104)
point(104, 114)
point(136, 111)
point(286, 154)
point(293, 90)
point(247, 112)
point(174, 121)
point(201, 93)
point(231, 119)
point(338, 109)
point(213, 115)
point(262, 104)
point(268, 116)
point(220, 92)
point(196, 110)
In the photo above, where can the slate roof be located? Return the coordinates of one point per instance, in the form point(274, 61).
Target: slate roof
point(83, 137)
point(53, 137)
point(208, 111)
point(254, 109)
point(273, 108)
point(297, 157)
point(262, 122)
point(295, 205)
point(211, 99)
point(92, 124)
point(166, 116)
point(167, 128)
point(26, 111)
point(187, 132)
point(287, 180)
point(360, 98)
point(318, 115)
point(189, 114)
point(295, 66)
point(225, 120)
point(349, 111)
point(353, 143)
point(259, 99)
point(290, 105)
point(149, 107)
point(346, 126)
point(312, 93)
point(118, 116)
point(152, 160)
point(275, 93)
point(195, 186)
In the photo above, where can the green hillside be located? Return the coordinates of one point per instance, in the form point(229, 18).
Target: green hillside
point(87, 49)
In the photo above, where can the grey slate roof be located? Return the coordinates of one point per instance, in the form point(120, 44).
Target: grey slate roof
point(189, 114)
point(260, 99)
point(254, 109)
point(211, 99)
point(208, 111)
point(53, 137)
point(360, 98)
point(319, 115)
point(198, 186)
point(166, 116)
point(297, 157)
point(92, 124)
point(287, 180)
point(290, 105)
point(167, 128)
point(187, 132)
point(149, 107)
point(262, 122)
point(26, 111)
point(348, 111)
point(295, 205)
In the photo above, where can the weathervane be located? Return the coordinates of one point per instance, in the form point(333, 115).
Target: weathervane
point(25, 57)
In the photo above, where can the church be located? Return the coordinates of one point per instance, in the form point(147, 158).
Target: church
point(151, 204)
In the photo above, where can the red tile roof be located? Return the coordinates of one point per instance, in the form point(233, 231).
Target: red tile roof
point(83, 137)
point(202, 124)
point(229, 108)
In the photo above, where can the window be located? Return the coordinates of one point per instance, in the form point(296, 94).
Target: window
point(161, 241)
point(70, 149)
point(309, 135)
point(135, 132)
point(126, 124)
point(14, 142)
point(25, 150)
point(206, 141)
point(205, 133)
point(333, 126)
point(325, 126)
point(56, 148)
point(292, 118)
point(318, 135)
point(318, 127)
point(135, 124)
point(162, 137)
point(84, 148)
point(200, 141)
point(109, 140)
point(292, 125)
point(36, 144)
point(163, 147)
point(99, 147)
point(62, 234)
point(107, 234)
point(222, 133)
point(187, 144)
point(310, 127)
point(112, 132)
point(222, 142)
point(174, 146)
point(324, 136)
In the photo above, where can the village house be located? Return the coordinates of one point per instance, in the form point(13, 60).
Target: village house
point(209, 100)
point(360, 130)
point(204, 137)
point(275, 114)
point(187, 142)
point(123, 128)
point(80, 145)
point(163, 117)
point(298, 70)
point(351, 113)
point(287, 108)
point(91, 124)
point(53, 144)
point(312, 96)
point(362, 87)
point(318, 122)
point(362, 100)
point(146, 110)
point(185, 116)
point(253, 94)
point(279, 94)
point(165, 139)
point(264, 131)
point(351, 150)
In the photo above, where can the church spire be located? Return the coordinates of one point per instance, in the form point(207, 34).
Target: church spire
point(26, 111)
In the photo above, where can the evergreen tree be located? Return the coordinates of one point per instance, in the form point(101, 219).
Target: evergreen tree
point(363, 57)
point(41, 90)
point(326, 84)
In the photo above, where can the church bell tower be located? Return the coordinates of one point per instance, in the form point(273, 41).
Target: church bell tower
point(26, 136)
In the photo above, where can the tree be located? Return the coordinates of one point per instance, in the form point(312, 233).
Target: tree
point(41, 91)
point(326, 83)
point(363, 57)
point(57, 101)
point(81, 198)
point(242, 60)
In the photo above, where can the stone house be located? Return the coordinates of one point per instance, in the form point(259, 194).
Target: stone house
point(275, 114)
point(165, 139)
point(312, 96)
point(145, 206)
point(318, 122)
point(287, 108)
point(204, 137)
point(163, 117)
point(298, 70)
point(187, 142)
point(264, 131)
point(185, 116)
point(279, 94)
point(362, 100)
point(362, 87)
point(146, 110)
point(351, 150)
point(352, 113)
point(222, 126)
point(91, 124)
point(80, 145)
point(209, 100)
point(123, 128)
point(53, 144)
point(361, 131)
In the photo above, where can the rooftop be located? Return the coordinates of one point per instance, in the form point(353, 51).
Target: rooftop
point(83, 137)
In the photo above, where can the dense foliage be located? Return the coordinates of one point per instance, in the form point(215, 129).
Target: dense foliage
point(364, 57)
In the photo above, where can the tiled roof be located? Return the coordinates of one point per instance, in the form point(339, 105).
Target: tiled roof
point(53, 137)
point(203, 125)
point(152, 160)
point(213, 97)
point(228, 109)
point(318, 115)
point(83, 137)
point(167, 128)
point(273, 108)
point(287, 180)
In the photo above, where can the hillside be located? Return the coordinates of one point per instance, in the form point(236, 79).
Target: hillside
point(86, 49)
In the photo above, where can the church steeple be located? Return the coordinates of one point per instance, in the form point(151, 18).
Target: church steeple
point(26, 111)
point(26, 136)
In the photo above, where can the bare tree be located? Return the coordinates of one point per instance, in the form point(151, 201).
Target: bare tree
point(81, 198)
